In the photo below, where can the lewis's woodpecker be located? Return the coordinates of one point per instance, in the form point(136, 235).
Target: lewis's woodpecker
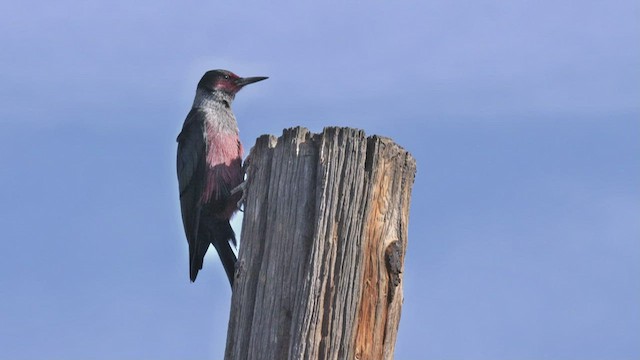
point(209, 167)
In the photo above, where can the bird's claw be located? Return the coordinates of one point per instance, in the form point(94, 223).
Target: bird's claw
point(243, 200)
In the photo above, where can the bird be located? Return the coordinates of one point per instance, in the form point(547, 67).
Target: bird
point(209, 166)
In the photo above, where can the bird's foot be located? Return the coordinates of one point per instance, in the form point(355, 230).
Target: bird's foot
point(243, 200)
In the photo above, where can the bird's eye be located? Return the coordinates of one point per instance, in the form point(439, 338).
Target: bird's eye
point(226, 77)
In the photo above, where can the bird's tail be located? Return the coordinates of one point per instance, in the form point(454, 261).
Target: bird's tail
point(222, 237)
point(219, 233)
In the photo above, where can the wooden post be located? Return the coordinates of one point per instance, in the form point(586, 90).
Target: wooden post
point(319, 274)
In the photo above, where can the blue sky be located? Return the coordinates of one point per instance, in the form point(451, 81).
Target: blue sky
point(524, 118)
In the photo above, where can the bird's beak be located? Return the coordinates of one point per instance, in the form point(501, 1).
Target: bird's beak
point(249, 80)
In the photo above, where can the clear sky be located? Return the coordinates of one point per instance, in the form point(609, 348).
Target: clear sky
point(524, 118)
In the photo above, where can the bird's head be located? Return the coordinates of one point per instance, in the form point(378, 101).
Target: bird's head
point(226, 81)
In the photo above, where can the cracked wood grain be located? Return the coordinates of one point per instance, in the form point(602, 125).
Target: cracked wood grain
point(324, 236)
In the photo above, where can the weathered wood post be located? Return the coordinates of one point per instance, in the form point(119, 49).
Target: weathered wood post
point(319, 274)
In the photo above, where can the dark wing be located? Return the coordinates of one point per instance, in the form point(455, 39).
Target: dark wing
point(191, 152)
point(191, 178)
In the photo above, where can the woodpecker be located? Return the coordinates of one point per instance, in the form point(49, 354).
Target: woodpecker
point(210, 166)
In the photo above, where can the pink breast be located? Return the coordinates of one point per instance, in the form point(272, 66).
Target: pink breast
point(224, 165)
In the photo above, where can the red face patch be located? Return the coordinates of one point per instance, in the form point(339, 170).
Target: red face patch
point(228, 83)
